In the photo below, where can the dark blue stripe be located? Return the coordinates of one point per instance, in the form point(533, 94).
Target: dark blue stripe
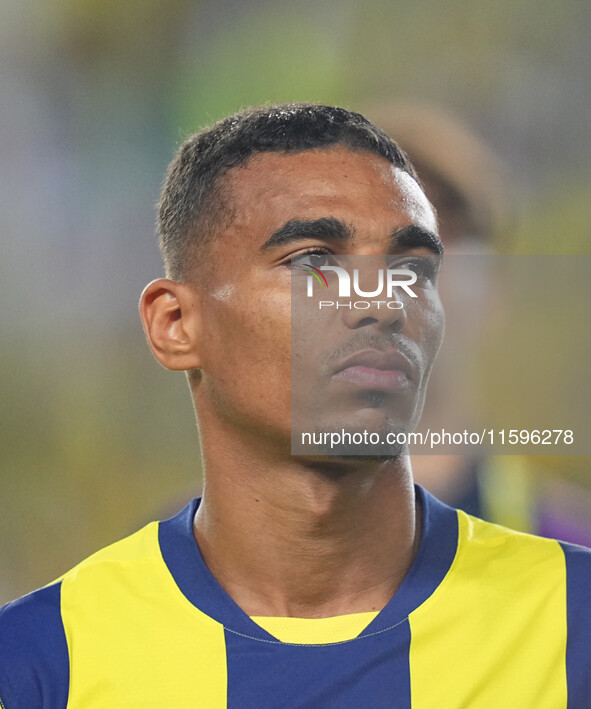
point(439, 543)
point(34, 663)
point(578, 647)
point(369, 671)
point(183, 558)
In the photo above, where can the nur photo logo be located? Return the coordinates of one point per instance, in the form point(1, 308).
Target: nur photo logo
point(388, 280)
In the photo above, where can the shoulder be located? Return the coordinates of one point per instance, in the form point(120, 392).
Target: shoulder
point(496, 538)
point(140, 547)
point(34, 667)
point(529, 558)
point(107, 576)
point(511, 559)
point(34, 655)
point(502, 540)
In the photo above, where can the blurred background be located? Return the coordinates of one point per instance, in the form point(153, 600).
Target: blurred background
point(96, 95)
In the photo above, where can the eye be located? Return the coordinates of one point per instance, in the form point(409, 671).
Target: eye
point(315, 257)
point(425, 268)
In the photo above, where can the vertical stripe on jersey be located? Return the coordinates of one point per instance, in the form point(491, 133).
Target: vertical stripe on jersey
point(439, 541)
point(578, 649)
point(34, 669)
point(370, 671)
point(494, 633)
point(134, 639)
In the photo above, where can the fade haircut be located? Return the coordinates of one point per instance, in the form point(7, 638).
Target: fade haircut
point(194, 204)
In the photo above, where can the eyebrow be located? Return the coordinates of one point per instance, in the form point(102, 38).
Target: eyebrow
point(415, 237)
point(327, 228)
point(333, 229)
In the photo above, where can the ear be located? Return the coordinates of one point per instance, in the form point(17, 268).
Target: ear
point(171, 317)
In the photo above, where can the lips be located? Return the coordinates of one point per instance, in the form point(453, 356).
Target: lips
point(376, 369)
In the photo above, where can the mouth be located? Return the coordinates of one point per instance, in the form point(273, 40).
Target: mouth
point(377, 370)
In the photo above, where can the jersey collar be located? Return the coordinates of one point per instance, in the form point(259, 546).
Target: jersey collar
point(439, 541)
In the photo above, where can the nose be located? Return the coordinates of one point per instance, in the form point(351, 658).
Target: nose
point(371, 303)
point(386, 314)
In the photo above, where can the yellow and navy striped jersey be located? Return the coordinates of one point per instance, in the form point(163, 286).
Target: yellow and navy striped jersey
point(486, 618)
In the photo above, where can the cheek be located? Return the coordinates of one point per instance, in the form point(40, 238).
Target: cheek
point(247, 340)
point(435, 320)
point(428, 323)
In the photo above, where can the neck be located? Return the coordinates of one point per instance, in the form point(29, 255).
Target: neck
point(286, 536)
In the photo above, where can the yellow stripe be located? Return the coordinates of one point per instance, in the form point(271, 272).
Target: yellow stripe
point(493, 635)
point(316, 631)
point(131, 634)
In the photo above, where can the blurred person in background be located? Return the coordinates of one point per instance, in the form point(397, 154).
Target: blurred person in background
point(471, 190)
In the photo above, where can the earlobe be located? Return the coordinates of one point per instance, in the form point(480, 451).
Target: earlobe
point(170, 316)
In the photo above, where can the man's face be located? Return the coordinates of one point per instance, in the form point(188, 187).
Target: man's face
point(370, 367)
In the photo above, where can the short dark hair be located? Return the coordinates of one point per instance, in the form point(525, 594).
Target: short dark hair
point(193, 205)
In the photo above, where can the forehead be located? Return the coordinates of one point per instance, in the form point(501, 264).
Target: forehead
point(356, 186)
